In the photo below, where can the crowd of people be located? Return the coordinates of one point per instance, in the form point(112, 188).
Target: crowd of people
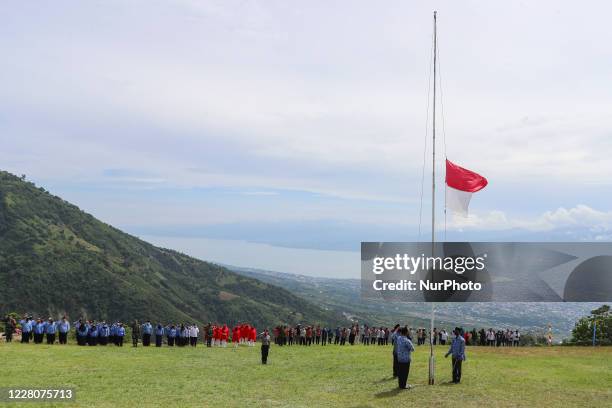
point(308, 335)
point(94, 333)
point(102, 333)
point(90, 332)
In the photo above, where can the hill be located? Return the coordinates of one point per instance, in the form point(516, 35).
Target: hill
point(56, 259)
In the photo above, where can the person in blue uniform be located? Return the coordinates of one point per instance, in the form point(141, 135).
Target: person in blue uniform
point(39, 331)
point(119, 334)
point(182, 336)
point(63, 328)
point(50, 329)
point(171, 333)
point(26, 329)
point(403, 350)
point(93, 335)
point(147, 329)
point(159, 335)
point(103, 334)
point(113, 333)
point(457, 350)
point(396, 333)
point(89, 325)
point(82, 330)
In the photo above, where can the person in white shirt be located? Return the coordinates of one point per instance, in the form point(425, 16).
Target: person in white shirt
point(443, 337)
point(516, 338)
point(491, 337)
point(193, 335)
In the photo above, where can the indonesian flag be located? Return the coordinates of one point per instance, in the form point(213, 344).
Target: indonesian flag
point(460, 184)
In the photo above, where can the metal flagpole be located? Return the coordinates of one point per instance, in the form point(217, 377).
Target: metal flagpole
point(433, 200)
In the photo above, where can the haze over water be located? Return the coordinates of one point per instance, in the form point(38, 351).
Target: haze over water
point(310, 262)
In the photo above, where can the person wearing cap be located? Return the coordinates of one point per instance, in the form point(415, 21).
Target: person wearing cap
point(171, 334)
point(113, 333)
point(159, 335)
point(26, 329)
point(265, 346)
point(63, 328)
point(147, 330)
point(457, 350)
point(82, 330)
point(135, 333)
point(103, 334)
point(119, 334)
point(403, 350)
point(39, 331)
point(92, 339)
point(50, 329)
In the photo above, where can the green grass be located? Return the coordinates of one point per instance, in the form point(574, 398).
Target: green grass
point(333, 376)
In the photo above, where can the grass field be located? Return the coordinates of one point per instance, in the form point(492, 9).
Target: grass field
point(315, 376)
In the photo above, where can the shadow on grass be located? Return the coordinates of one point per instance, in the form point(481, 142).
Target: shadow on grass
point(384, 380)
point(390, 393)
point(448, 383)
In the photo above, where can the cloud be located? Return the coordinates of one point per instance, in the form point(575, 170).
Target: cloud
point(581, 216)
point(260, 193)
point(318, 97)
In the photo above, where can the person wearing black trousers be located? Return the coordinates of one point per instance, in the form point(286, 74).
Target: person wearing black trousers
point(265, 346)
point(396, 332)
point(159, 335)
point(457, 350)
point(403, 350)
point(135, 333)
point(50, 329)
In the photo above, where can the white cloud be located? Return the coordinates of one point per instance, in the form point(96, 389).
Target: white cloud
point(317, 96)
point(579, 216)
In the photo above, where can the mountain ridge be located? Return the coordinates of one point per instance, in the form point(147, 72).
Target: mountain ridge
point(56, 259)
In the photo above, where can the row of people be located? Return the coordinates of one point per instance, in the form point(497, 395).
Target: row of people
point(101, 333)
point(92, 333)
point(366, 335)
point(89, 332)
point(309, 335)
point(38, 330)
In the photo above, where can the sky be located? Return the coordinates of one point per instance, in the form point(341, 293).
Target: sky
point(303, 124)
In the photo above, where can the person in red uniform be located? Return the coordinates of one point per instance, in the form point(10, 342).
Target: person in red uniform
point(224, 335)
point(253, 337)
point(216, 336)
point(236, 335)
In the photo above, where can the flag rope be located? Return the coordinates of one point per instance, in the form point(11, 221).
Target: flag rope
point(425, 140)
point(443, 124)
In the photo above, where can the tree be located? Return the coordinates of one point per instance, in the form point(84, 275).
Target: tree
point(600, 320)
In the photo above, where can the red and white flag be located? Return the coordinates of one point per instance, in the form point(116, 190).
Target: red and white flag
point(460, 184)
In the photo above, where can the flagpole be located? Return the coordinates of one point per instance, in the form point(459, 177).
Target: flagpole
point(433, 198)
